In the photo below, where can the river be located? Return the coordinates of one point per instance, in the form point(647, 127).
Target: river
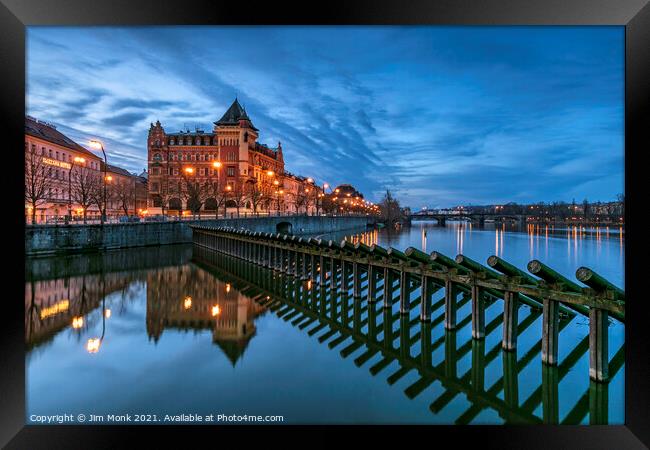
point(174, 330)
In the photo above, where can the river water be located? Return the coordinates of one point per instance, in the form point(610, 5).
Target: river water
point(176, 330)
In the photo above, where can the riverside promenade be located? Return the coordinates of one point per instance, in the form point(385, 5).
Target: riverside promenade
point(42, 240)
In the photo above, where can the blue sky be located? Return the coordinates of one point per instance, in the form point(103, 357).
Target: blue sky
point(439, 115)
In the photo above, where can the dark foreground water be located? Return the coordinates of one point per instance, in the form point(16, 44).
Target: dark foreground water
point(176, 330)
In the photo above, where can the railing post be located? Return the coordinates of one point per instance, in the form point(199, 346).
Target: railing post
point(510, 318)
point(388, 288)
point(478, 313)
point(356, 280)
point(333, 273)
point(321, 270)
point(451, 292)
point(404, 292)
point(345, 275)
point(425, 299)
point(550, 331)
point(303, 274)
point(598, 345)
point(372, 283)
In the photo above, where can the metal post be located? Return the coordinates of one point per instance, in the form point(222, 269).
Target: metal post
point(404, 292)
point(478, 313)
point(372, 283)
point(510, 318)
point(356, 280)
point(388, 288)
point(550, 331)
point(450, 305)
point(425, 299)
point(598, 345)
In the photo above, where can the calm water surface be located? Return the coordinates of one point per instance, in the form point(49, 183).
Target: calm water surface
point(176, 330)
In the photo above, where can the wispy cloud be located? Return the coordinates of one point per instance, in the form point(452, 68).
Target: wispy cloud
point(440, 115)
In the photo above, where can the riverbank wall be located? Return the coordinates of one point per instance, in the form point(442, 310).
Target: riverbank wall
point(44, 240)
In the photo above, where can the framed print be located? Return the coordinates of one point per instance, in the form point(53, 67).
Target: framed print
point(248, 218)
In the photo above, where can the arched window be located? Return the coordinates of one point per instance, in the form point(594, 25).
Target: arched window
point(157, 157)
point(197, 157)
point(198, 141)
point(171, 141)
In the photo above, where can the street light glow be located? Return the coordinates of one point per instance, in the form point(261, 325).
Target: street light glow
point(96, 144)
point(216, 164)
point(92, 346)
point(79, 159)
point(189, 170)
point(270, 173)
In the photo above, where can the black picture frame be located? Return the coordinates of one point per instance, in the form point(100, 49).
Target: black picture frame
point(634, 15)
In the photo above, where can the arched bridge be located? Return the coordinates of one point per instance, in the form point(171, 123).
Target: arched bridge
point(479, 218)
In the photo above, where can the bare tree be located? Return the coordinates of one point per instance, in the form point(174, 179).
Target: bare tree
point(239, 196)
point(85, 184)
point(258, 194)
point(38, 180)
point(123, 194)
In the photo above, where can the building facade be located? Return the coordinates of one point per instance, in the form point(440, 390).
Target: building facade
point(221, 170)
point(52, 163)
point(64, 181)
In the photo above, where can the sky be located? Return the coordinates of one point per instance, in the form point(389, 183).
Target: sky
point(441, 116)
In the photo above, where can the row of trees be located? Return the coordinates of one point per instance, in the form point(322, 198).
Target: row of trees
point(211, 194)
point(559, 209)
point(84, 187)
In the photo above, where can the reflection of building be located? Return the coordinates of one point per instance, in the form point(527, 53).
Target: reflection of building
point(51, 305)
point(190, 298)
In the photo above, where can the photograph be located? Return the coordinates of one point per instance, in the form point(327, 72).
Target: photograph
point(324, 225)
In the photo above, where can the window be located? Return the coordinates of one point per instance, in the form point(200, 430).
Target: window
point(171, 142)
point(154, 187)
point(157, 157)
point(50, 152)
point(231, 171)
point(197, 156)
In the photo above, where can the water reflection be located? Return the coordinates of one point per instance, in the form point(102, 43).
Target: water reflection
point(97, 324)
point(188, 298)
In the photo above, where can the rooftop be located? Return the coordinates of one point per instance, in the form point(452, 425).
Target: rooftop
point(48, 132)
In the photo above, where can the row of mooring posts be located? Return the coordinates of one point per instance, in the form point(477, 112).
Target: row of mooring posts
point(344, 263)
point(316, 309)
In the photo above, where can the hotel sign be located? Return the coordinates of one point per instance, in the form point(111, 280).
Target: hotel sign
point(53, 162)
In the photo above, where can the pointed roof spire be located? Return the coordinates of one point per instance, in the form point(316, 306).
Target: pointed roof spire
point(233, 115)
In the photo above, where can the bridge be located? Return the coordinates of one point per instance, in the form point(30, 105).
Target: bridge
point(479, 218)
point(317, 300)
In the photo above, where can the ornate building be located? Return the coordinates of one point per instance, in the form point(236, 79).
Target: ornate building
point(228, 168)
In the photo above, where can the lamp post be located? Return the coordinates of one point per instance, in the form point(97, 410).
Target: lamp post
point(217, 166)
point(225, 203)
point(98, 144)
point(80, 160)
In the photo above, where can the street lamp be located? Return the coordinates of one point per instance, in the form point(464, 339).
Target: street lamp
point(98, 144)
point(80, 160)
